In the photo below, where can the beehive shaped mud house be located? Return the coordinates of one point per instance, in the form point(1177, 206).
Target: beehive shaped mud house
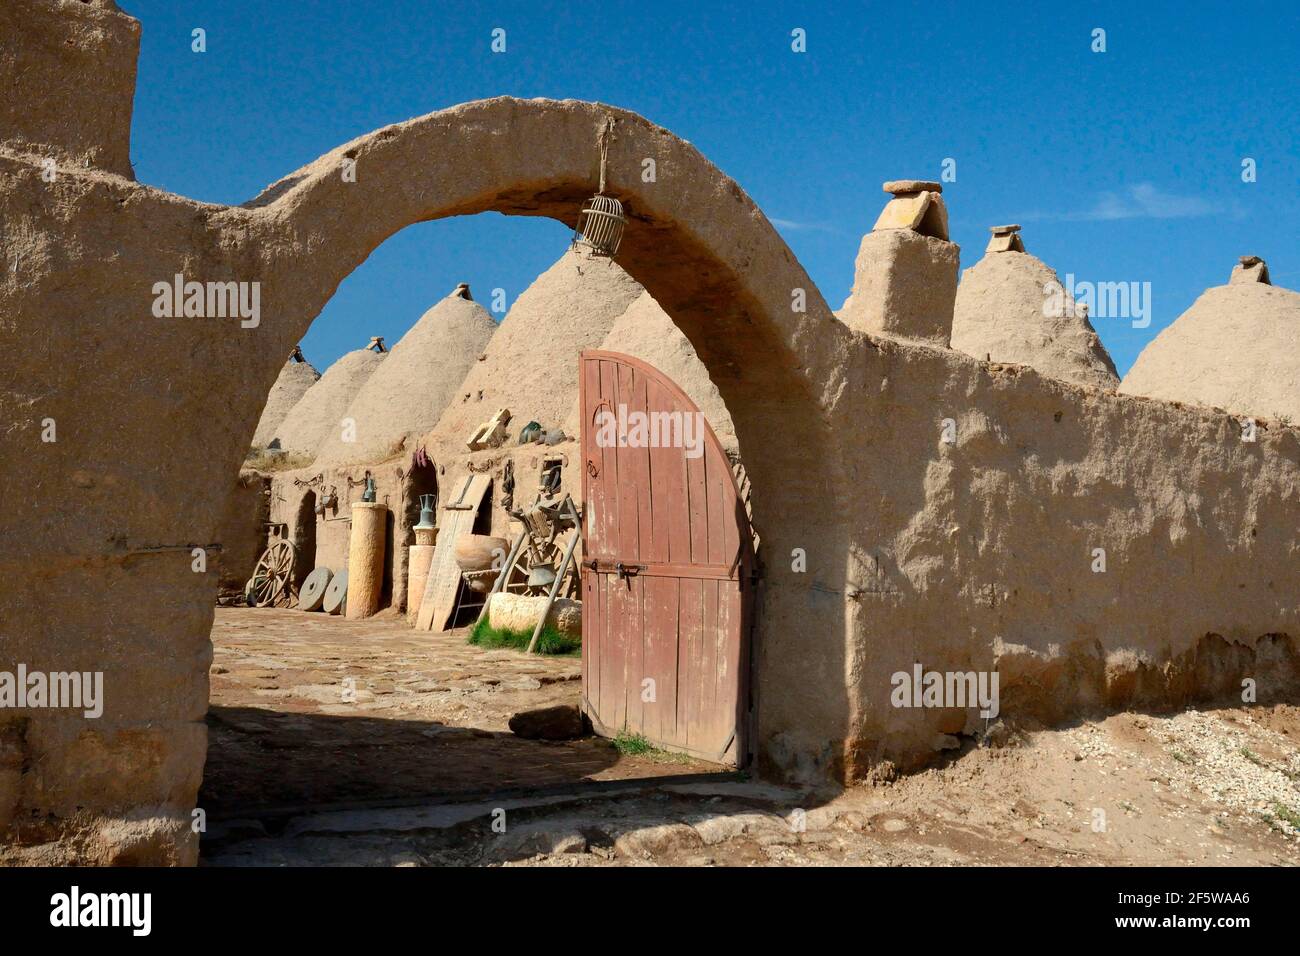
point(294, 381)
point(1012, 307)
point(948, 509)
point(376, 436)
point(1236, 348)
point(407, 395)
point(321, 410)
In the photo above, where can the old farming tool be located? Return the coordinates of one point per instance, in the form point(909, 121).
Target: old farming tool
point(272, 582)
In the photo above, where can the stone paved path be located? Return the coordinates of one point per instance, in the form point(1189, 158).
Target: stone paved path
point(309, 710)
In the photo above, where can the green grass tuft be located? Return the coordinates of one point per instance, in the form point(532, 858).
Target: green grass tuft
point(635, 745)
point(631, 745)
point(550, 641)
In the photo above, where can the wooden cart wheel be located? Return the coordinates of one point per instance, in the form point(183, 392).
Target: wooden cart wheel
point(272, 582)
point(532, 555)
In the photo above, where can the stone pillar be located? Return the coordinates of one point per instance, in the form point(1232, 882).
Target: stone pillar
point(366, 557)
point(905, 277)
point(418, 562)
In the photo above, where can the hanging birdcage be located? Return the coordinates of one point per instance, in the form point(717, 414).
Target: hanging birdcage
point(600, 225)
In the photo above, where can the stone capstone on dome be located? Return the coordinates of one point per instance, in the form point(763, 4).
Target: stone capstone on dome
point(1005, 239)
point(1250, 269)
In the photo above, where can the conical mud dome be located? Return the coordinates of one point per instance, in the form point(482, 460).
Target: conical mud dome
point(295, 378)
point(324, 405)
point(531, 366)
point(646, 332)
point(1004, 312)
point(1236, 348)
point(405, 396)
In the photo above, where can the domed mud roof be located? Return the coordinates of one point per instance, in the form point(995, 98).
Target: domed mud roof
point(1003, 313)
point(531, 366)
point(322, 408)
point(290, 386)
point(406, 394)
point(1236, 348)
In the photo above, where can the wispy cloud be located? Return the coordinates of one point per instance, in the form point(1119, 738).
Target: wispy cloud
point(795, 226)
point(1140, 201)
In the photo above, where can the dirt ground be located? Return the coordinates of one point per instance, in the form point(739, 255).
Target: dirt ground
point(410, 762)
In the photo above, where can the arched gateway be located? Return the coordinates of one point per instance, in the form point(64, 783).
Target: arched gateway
point(179, 433)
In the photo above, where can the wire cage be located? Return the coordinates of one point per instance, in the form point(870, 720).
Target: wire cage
point(600, 227)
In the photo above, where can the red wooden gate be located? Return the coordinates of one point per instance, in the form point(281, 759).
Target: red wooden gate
point(666, 579)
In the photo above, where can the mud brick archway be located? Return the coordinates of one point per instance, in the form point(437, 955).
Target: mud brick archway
point(112, 587)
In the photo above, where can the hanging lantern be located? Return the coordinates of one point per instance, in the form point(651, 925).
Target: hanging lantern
point(600, 225)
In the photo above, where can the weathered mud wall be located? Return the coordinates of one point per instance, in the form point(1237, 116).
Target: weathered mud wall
point(69, 81)
point(980, 554)
point(904, 535)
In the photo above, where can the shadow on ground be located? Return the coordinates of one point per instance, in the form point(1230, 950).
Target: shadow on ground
point(269, 762)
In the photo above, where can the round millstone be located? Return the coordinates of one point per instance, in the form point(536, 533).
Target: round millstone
point(312, 595)
point(901, 187)
point(336, 595)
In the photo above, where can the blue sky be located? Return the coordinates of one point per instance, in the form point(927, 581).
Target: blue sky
point(1121, 166)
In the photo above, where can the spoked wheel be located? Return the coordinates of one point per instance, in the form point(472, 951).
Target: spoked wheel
point(534, 568)
point(272, 581)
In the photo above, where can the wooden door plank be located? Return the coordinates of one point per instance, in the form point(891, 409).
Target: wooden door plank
point(668, 488)
point(709, 717)
point(719, 486)
point(659, 608)
point(697, 508)
point(690, 619)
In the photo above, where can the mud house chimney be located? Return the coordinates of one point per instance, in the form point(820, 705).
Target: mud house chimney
point(905, 277)
point(1005, 239)
point(1250, 269)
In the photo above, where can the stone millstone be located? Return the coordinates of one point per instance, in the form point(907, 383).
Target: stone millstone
point(336, 595)
point(312, 595)
point(901, 187)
